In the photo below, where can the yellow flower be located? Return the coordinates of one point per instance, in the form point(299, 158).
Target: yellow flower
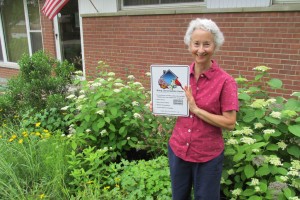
point(20, 141)
point(14, 136)
point(47, 135)
point(37, 133)
point(90, 182)
point(45, 131)
point(106, 188)
point(42, 196)
point(25, 134)
point(38, 124)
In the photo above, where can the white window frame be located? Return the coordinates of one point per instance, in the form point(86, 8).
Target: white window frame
point(285, 1)
point(5, 62)
point(159, 6)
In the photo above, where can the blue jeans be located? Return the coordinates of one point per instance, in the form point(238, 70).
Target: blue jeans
point(204, 178)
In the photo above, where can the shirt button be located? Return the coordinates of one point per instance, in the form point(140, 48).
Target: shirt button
point(197, 88)
point(202, 75)
point(191, 116)
point(189, 130)
point(187, 144)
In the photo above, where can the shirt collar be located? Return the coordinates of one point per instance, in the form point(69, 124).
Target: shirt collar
point(209, 73)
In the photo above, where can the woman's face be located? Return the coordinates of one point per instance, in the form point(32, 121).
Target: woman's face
point(202, 47)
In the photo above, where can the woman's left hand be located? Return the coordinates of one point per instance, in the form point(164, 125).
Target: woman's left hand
point(191, 101)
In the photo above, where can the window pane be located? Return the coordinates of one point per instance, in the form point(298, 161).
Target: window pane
point(36, 41)
point(14, 26)
point(140, 2)
point(34, 16)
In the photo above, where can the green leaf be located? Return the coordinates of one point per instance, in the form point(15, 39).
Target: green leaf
point(87, 117)
point(250, 116)
point(272, 120)
point(249, 171)
point(248, 192)
point(294, 150)
point(95, 127)
point(263, 187)
point(295, 129)
point(287, 192)
point(238, 157)
point(112, 127)
point(262, 171)
point(74, 145)
point(114, 111)
point(296, 94)
point(275, 83)
point(259, 113)
point(107, 119)
point(244, 96)
point(122, 129)
point(272, 147)
point(100, 123)
point(255, 198)
point(259, 76)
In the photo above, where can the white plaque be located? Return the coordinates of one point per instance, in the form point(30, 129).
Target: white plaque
point(168, 96)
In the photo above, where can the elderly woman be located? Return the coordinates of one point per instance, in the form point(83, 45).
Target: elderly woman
point(196, 145)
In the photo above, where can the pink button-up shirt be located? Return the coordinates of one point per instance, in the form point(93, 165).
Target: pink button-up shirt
point(193, 139)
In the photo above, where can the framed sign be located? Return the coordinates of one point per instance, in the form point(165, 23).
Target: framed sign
point(167, 82)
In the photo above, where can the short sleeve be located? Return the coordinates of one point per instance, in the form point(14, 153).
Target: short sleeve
point(229, 96)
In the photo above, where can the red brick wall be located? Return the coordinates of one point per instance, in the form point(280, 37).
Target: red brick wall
point(130, 44)
point(7, 73)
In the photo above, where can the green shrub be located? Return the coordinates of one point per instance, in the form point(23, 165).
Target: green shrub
point(262, 154)
point(41, 82)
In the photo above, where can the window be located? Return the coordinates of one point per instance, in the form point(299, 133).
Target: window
point(21, 30)
point(156, 2)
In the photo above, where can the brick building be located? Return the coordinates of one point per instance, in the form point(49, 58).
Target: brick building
point(131, 35)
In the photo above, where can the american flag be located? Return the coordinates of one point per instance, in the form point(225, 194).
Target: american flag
point(52, 7)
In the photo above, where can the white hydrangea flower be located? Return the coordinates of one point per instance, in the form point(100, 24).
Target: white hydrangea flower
point(119, 84)
point(232, 141)
point(81, 92)
point(111, 74)
point(258, 125)
point(128, 138)
point(137, 116)
point(268, 131)
point(248, 140)
point(100, 112)
point(81, 96)
point(247, 131)
point(236, 192)
point(254, 181)
point(258, 103)
point(296, 164)
point(261, 68)
point(96, 84)
point(110, 79)
point(257, 189)
point(282, 145)
point(148, 74)
point(131, 77)
point(79, 73)
point(284, 178)
point(103, 132)
point(88, 130)
point(117, 90)
point(276, 115)
point(72, 96)
point(141, 88)
point(237, 132)
point(294, 198)
point(135, 103)
point(270, 101)
point(255, 150)
point(65, 108)
point(137, 83)
point(79, 107)
point(274, 160)
point(231, 171)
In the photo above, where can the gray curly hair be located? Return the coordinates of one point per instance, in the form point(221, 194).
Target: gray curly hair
point(207, 25)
